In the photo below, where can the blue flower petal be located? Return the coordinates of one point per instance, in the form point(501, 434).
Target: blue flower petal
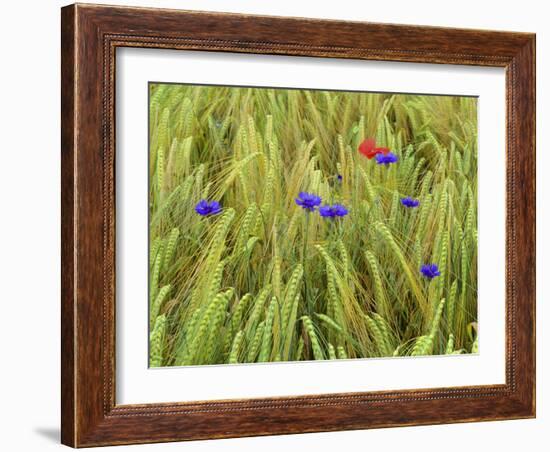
point(430, 271)
point(206, 208)
point(308, 201)
point(410, 202)
point(386, 159)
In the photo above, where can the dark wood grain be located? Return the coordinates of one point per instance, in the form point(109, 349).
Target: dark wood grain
point(90, 36)
point(68, 310)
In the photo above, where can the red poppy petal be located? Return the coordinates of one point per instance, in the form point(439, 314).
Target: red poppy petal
point(372, 154)
point(382, 150)
point(367, 146)
point(368, 154)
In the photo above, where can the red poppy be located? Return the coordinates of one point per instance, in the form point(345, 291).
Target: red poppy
point(368, 148)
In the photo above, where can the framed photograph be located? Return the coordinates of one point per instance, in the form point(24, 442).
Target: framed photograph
point(280, 225)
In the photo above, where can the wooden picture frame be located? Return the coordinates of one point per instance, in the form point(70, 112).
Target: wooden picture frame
point(90, 35)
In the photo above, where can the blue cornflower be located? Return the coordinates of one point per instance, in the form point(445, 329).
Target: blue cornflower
point(205, 208)
point(336, 210)
point(308, 201)
point(410, 202)
point(339, 177)
point(430, 271)
point(386, 159)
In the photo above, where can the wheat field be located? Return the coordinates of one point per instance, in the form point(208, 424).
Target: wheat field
point(294, 225)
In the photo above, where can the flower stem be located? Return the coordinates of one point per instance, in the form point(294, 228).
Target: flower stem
point(304, 260)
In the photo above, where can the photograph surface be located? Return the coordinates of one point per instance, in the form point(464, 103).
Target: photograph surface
point(299, 225)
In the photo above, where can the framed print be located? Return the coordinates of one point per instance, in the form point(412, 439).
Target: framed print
point(281, 225)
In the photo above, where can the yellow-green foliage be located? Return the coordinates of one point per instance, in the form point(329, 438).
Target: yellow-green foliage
point(156, 340)
point(264, 280)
